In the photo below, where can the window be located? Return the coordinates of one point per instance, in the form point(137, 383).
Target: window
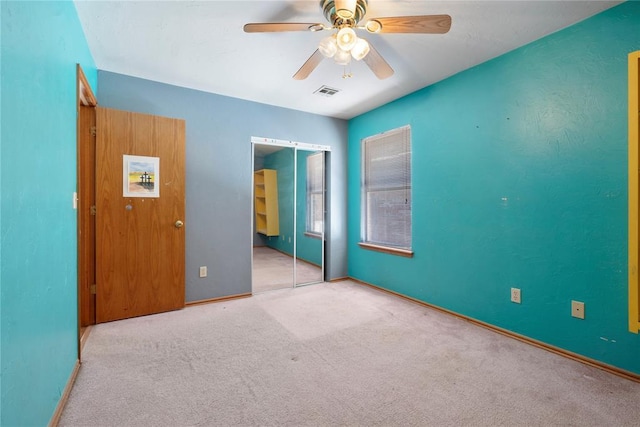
point(386, 192)
point(315, 193)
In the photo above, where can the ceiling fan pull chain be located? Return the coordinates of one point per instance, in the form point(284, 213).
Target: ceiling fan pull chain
point(346, 73)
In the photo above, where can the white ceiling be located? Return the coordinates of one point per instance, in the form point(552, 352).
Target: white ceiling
point(201, 45)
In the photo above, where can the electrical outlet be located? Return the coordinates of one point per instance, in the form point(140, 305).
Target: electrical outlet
point(577, 309)
point(203, 271)
point(515, 295)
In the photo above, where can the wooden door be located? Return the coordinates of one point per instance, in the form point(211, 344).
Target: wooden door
point(140, 243)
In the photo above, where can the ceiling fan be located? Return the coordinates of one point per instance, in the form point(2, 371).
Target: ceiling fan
point(343, 45)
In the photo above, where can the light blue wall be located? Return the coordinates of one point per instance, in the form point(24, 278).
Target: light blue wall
point(218, 194)
point(41, 44)
point(520, 180)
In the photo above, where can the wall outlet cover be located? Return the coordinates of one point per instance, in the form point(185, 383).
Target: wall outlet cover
point(577, 309)
point(515, 295)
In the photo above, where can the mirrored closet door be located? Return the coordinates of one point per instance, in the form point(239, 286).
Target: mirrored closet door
point(309, 254)
point(273, 227)
point(288, 215)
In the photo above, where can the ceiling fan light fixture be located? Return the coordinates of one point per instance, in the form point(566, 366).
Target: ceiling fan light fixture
point(328, 46)
point(346, 38)
point(360, 50)
point(344, 16)
point(342, 57)
point(373, 26)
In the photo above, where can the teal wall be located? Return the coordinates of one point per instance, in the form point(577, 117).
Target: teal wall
point(41, 44)
point(282, 162)
point(520, 180)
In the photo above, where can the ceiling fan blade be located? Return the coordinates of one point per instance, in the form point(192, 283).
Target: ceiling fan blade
point(425, 24)
point(378, 65)
point(311, 64)
point(272, 27)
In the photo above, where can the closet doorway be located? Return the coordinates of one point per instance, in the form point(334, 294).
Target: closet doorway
point(288, 214)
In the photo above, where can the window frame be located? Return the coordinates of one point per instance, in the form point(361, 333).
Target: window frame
point(309, 217)
point(365, 240)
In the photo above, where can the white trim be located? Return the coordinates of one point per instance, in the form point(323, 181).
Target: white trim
point(295, 218)
point(253, 198)
point(292, 144)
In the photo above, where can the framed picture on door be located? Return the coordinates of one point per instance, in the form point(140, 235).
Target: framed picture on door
point(140, 176)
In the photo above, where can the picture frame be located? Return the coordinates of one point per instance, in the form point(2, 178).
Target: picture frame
point(140, 176)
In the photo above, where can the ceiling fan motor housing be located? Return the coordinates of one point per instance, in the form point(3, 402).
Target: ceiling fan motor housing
point(330, 12)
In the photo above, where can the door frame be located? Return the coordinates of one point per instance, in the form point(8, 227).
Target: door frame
point(85, 198)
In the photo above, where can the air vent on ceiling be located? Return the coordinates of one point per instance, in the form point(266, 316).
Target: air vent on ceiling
point(326, 91)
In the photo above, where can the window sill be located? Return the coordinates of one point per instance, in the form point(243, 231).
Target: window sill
point(313, 235)
point(387, 250)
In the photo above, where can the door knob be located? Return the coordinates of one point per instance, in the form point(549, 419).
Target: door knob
point(179, 224)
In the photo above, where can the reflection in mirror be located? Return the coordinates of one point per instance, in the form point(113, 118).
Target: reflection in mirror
point(273, 236)
point(309, 217)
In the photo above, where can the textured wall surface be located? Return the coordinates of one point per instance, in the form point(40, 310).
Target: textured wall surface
point(219, 195)
point(41, 44)
point(520, 180)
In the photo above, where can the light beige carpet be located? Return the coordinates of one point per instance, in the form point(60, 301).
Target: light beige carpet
point(274, 270)
point(332, 354)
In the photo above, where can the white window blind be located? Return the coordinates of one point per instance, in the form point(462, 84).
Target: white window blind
point(315, 193)
point(386, 189)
